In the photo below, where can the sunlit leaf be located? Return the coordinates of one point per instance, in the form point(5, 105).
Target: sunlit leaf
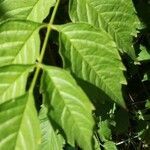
point(19, 42)
point(92, 55)
point(118, 18)
point(19, 125)
point(34, 10)
point(68, 106)
point(13, 81)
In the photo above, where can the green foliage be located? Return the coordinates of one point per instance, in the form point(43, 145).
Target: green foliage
point(19, 124)
point(13, 80)
point(90, 53)
point(105, 131)
point(116, 18)
point(50, 139)
point(78, 81)
point(110, 145)
point(68, 106)
point(34, 10)
point(18, 38)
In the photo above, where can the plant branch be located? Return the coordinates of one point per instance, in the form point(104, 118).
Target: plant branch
point(124, 141)
point(44, 47)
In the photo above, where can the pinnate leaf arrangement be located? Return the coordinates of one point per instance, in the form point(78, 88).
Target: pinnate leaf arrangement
point(72, 82)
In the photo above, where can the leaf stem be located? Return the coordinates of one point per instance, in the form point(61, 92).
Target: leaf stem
point(44, 47)
point(128, 140)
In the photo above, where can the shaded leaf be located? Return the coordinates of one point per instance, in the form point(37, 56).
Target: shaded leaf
point(147, 105)
point(51, 140)
point(144, 54)
point(105, 131)
point(68, 106)
point(145, 136)
point(122, 121)
point(110, 146)
point(19, 125)
point(96, 144)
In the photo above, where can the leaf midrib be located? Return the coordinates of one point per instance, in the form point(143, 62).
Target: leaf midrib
point(22, 118)
point(32, 8)
point(21, 47)
point(19, 76)
point(107, 87)
point(68, 109)
point(109, 27)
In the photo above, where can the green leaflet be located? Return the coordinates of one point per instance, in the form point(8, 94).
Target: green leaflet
point(51, 140)
point(104, 131)
point(34, 10)
point(19, 42)
point(19, 125)
point(144, 54)
point(68, 106)
point(118, 18)
point(96, 144)
point(13, 80)
point(110, 146)
point(92, 55)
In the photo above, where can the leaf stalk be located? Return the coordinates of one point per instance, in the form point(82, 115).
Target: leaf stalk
point(44, 47)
